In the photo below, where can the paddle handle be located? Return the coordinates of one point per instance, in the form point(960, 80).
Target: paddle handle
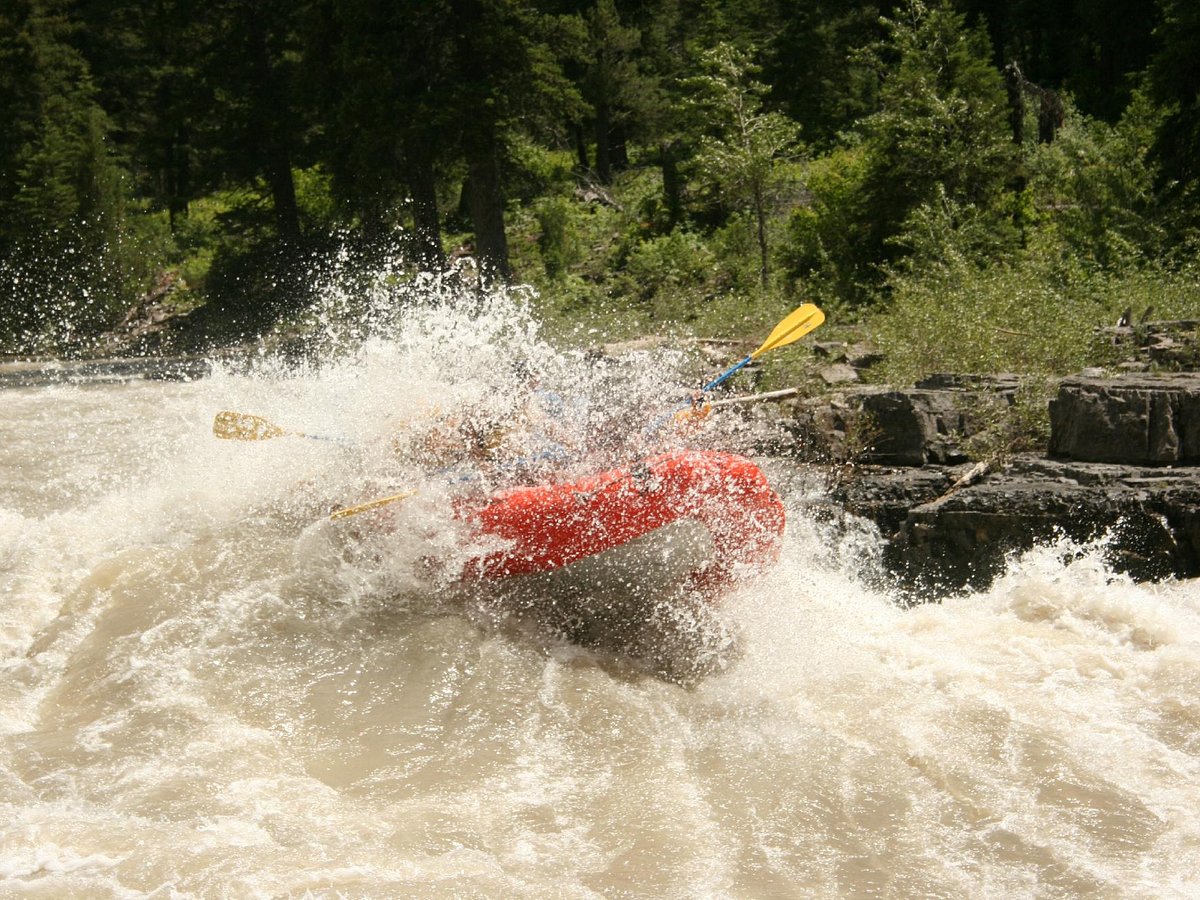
point(345, 442)
point(727, 374)
point(371, 504)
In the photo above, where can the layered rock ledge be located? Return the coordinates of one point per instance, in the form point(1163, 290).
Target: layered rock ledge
point(1138, 419)
point(1146, 519)
point(1123, 469)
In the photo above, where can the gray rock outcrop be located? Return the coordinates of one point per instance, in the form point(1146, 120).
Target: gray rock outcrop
point(1147, 520)
point(1139, 420)
point(1123, 469)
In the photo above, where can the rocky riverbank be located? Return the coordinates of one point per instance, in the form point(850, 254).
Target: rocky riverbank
point(1122, 468)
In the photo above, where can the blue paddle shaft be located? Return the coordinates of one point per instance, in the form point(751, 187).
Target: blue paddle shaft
point(720, 378)
point(345, 442)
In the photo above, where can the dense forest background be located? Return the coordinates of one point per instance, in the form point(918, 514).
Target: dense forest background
point(970, 177)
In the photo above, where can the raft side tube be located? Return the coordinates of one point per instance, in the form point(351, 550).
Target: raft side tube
point(550, 526)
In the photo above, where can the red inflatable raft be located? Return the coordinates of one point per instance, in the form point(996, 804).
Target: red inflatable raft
point(553, 525)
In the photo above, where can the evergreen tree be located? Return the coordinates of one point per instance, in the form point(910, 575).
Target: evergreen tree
point(808, 58)
point(382, 74)
point(610, 82)
point(670, 31)
point(938, 138)
point(742, 152)
point(62, 195)
point(1175, 83)
point(941, 121)
point(144, 56)
point(508, 77)
point(253, 122)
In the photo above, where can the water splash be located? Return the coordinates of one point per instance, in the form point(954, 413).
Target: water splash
point(206, 687)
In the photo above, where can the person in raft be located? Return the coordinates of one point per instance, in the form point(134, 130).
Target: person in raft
point(538, 433)
point(525, 440)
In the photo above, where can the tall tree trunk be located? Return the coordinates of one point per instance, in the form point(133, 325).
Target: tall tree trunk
point(603, 144)
point(619, 152)
point(1051, 114)
point(283, 192)
point(177, 171)
point(581, 150)
point(272, 143)
point(1014, 84)
point(672, 183)
point(422, 185)
point(486, 202)
point(481, 145)
point(760, 216)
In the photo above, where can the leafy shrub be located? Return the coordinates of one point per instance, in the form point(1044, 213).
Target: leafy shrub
point(1034, 314)
point(557, 237)
point(677, 259)
point(533, 170)
point(960, 318)
point(827, 247)
point(1019, 426)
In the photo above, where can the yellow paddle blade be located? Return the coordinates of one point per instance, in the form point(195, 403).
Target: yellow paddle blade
point(371, 504)
point(798, 323)
point(234, 426)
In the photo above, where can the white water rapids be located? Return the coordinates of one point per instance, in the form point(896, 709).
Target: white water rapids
point(207, 689)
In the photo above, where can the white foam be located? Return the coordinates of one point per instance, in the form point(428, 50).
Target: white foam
point(209, 688)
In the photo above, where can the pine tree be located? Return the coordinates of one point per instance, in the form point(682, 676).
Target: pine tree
point(145, 57)
point(741, 154)
point(610, 81)
point(940, 135)
point(381, 90)
point(62, 194)
point(1175, 83)
point(508, 76)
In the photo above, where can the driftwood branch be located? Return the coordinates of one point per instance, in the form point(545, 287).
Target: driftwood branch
point(755, 398)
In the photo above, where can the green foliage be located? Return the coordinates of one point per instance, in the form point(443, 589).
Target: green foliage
point(945, 233)
point(736, 255)
point(828, 233)
point(741, 156)
point(557, 241)
point(809, 60)
point(940, 129)
point(229, 141)
point(677, 261)
point(1030, 314)
point(961, 318)
point(69, 261)
point(1094, 185)
point(533, 171)
point(315, 199)
point(611, 83)
point(1174, 81)
point(936, 147)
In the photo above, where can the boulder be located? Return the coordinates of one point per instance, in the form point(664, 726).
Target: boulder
point(1135, 419)
point(1170, 345)
point(940, 540)
point(913, 428)
point(916, 426)
point(919, 427)
point(839, 373)
point(1124, 467)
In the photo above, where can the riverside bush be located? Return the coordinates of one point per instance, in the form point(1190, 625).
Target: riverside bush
point(677, 260)
point(1029, 315)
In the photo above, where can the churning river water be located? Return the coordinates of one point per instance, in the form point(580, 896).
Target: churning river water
point(208, 689)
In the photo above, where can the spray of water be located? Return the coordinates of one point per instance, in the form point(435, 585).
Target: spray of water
point(209, 688)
